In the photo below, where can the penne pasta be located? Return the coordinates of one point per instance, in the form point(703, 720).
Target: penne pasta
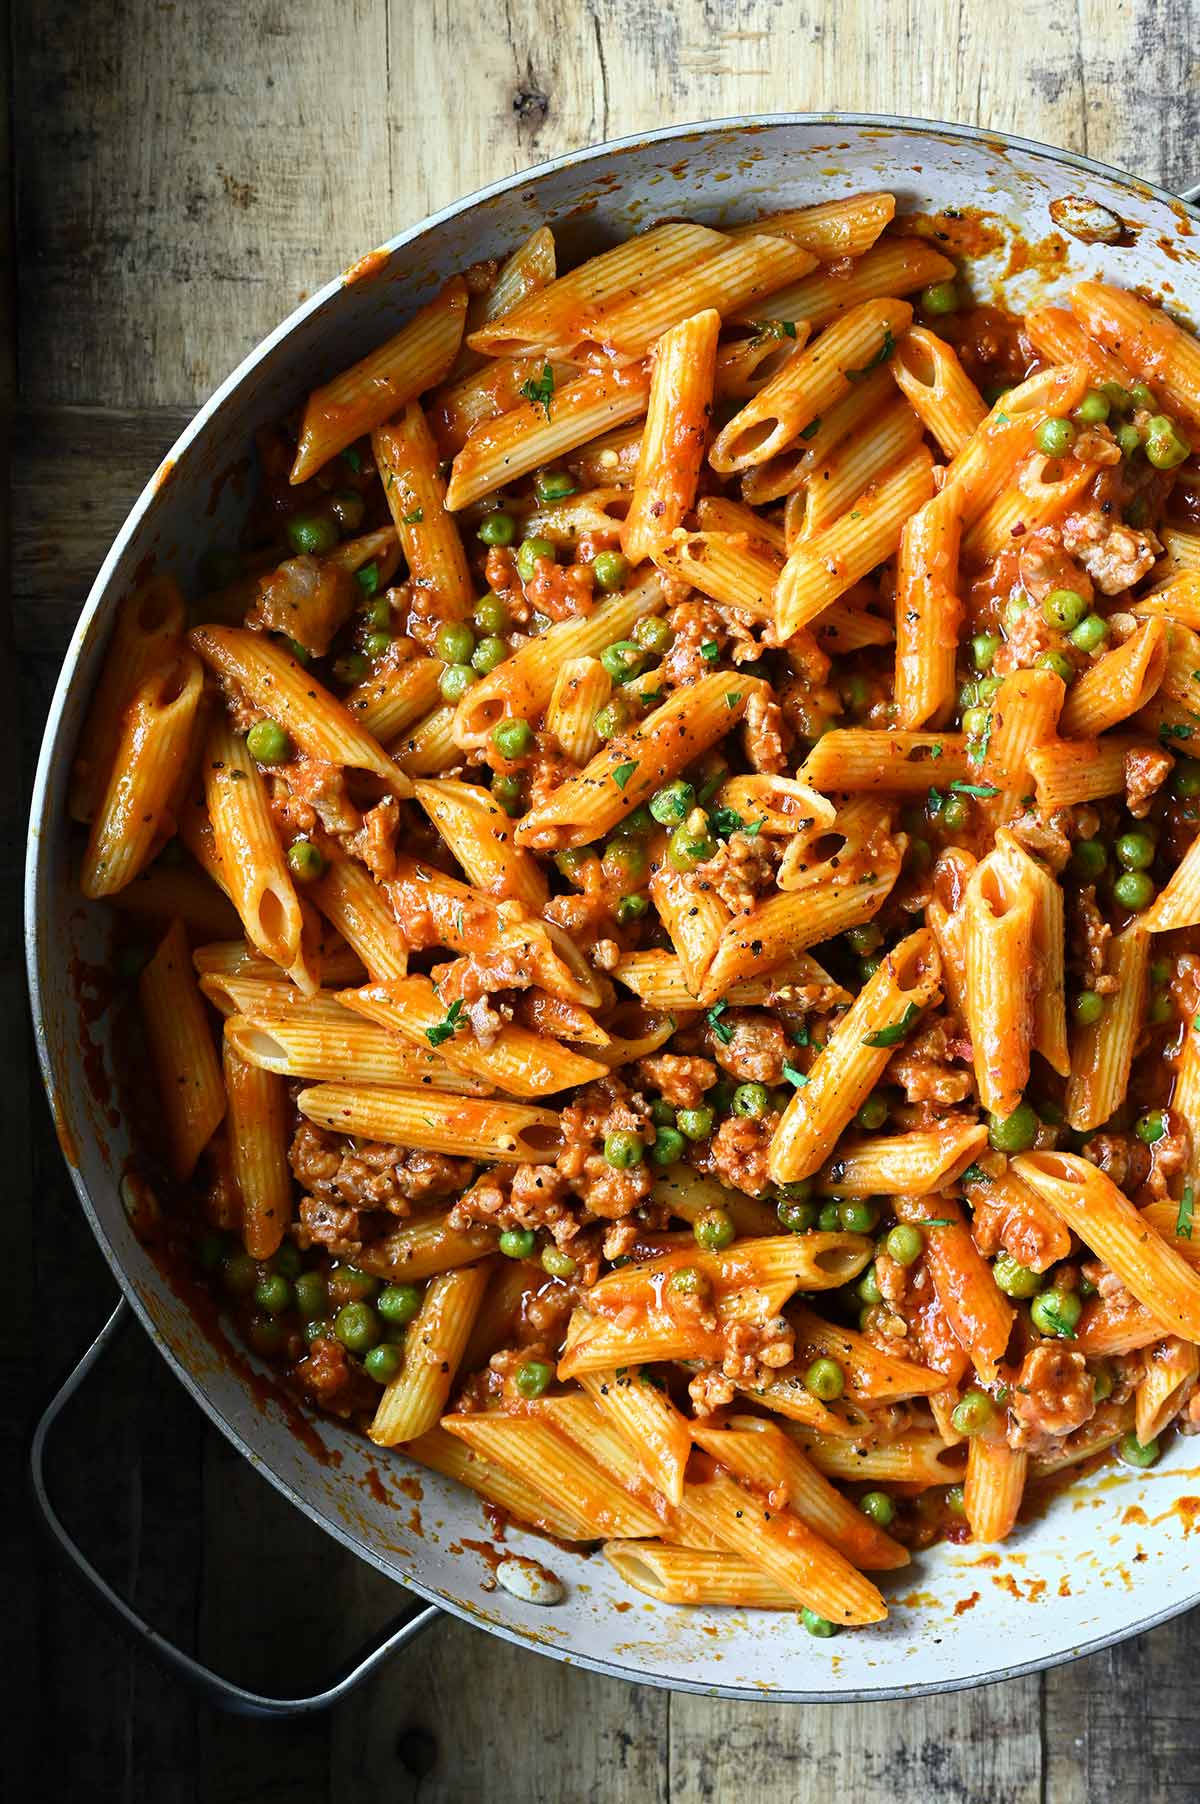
point(182, 1055)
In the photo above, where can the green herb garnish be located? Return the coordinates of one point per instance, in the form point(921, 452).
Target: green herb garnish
point(445, 1030)
point(892, 1036)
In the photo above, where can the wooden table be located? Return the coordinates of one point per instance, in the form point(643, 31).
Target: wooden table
point(182, 175)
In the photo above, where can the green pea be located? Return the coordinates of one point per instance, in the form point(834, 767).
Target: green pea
point(863, 938)
point(382, 1363)
point(266, 1334)
point(1055, 437)
point(1161, 1008)
point(1089, 1008)
point(513, 738)
point(984, 647)
point(534, 1377)
point(398, 1303)
point(989, 686)
point(867, 967)
point(612, 719)
point(713, 1230)
point(1014, 607)
point(939, 297)
point(378, 614)
point(517, 1243)
point(1015, 1279)
point(956, 814)
point(622, 1149)
point(1120, 398)
point(668, 1147)
point(1014, 1133)
point(1064, 608)
point(1089, 858)
point(1102, 1381)
point(311, 1294)
point(554, 485)
point(239, 1274)
point(1135, 851)
point(488, 654)
point(268, 743)
point(311, 535)
point(653, 635)
point(695, 1124)
point(350, 668)
point(631, 908)
point(376, 645)
point(1055, 1312)
point(556, 1263)
point(1094, 409)
point(1132, 1452)
point(508, 792)
point(825, 1379)
point(856, 693)
point(919, 856)
point(1134, 890)
point(1151, 1127)
point(1129, 438)
point(829, 1219)
point(497, 529)
point(820, 1626)
point(857, 1215)
point(795, 1214)
point(686, 1281)
point(1141, 395)
point(611, 569)
point(491, 615)
point(357, 1327)
point(672, 805)
point(879, 1507)
point(872, 1114)
point(904, 1243)
point(1059, 663)
point(1185, 779)
point(355, 1285)
point(530, 553)
point(954, 1500)
point(1166, 446)
point(628, 857)
point(300, 652)
point(974, 722)
point(454, 681)
point(212, 1251)
point(751, 1100)
point(454, 643)
point(1160, 970)
point(689, 846)
point(974, 1413)
point(662, 1113)
point(305, 861)
point(867, 1288)
point(623, 661)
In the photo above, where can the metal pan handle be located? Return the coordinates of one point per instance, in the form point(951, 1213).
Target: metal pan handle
point(221, 1692)
point(1191, 194)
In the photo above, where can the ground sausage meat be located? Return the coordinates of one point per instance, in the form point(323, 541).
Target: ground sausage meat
point(333, 1380)
point(367, 1175)
point(766, 735)
point(1146, 770)
point(755, 1349)
point(1122, 1157)
point(532, 1197)
point(1053, 1396)
point(740, 870)
point(750, 1044)
point(738, 1151)
point(1114, 556)
point(326, 1224)
point(679, 1081)
point(600, 1109)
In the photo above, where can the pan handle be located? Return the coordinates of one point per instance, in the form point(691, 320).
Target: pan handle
point(1191, 194)
point(219, 1691)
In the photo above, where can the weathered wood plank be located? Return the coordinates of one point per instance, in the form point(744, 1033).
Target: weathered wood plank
point(1099, 1747)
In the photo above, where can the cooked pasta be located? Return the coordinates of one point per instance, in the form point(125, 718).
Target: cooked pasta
point(668, 886)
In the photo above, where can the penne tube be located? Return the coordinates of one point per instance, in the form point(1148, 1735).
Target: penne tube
point(479, 834)
point(1038, 493)
point(798, 1261)
point(147, 636)
point(350, 899)
point(822, 568)
point(180, 892)
point(1110, 1422)
point(519, 1497)
point(854, 1058)
point(1174, 1223)
point(1000, 910)
point(643, 1413)
point(136, 812)
point(932, 380)
point(871, 1374)
point(1068, 771)
point(539, 431)
point(1181, 551)
point(597, 1436)
point(993, 1489)
point(535, 1450)
point(657, 978)
point(524, 683)
point(1117, 684)
point(1185, 1097)
point(182, 1055)
point(809, 385)
point(894, 266)
point(911, 1164)
point(675, 436)
point(1178, 902)
point(422, 1249)
point(1145, 339)
point(900, 763)
point(249, 852)
point(979, 1317)
point(1109, 1326)
point(517, 1061)
point(831, 230)
point(1057, 336)
point(394, 696)
point(429, 749)
point(687, 1194)
point(484, 392)
point(324, 1047)
point(1107, 1222)
point(928, 613)
point(471, 1127)
point(693, 1575)
point(774, 930)
point(780, 1544)
point(258, 1150)
point(1168, 1381)
point(632, 766)
point(581, 689)
point(1102, 1052)
point(414, 1399)
point(383, 382)
point(597, 514)
point(695, 918)
point(285, 692)
point(1024, 715)
point(1050, 998)
point(918, 1457)
point(407, 460)
point(851, 470)
point(744, 365)
point(1177, 599)
point(786, 471)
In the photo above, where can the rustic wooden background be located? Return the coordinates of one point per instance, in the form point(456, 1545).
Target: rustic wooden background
point(176, 176)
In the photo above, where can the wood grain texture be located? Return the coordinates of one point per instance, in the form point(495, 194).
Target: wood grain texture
point(183, 175)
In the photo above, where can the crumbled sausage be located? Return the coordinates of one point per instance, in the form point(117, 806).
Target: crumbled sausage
point(679, 1081)
point(766, 735)
point(1087, 940)
point(750, 1044)
point(333, 1381)
point(306, 598)
point(367, 1175)
point(710, 1391)
point(531, 1197)
point(738, 1151)
point(741, 870)
point(1122, 1157)
point(605, 1107)
point(1053, 1395)
point(1146, 770)
point(1115, 556)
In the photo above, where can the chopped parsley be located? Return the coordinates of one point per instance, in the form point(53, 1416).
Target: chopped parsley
point(795, 1077)
point(765, 329)
point(540, 392)
point(881, 356)
point(725, 821)
point(1166, 731)
point(813, 427)
point(892, 1035)
point(623, 773)
point(974, 1174)
point(1183, 1221)
point(446, 1029)
point(1002, 419)
point(1051, 1315)
point(721, 1029)
point(415, 518)
point(935, 1221)
point(982, 790)
point(734, 696)
point(935, 751)
point(710, 651)
point(354, 459)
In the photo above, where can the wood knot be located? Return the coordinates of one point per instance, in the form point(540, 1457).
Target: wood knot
point(418, 1752)
point(530, 104)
